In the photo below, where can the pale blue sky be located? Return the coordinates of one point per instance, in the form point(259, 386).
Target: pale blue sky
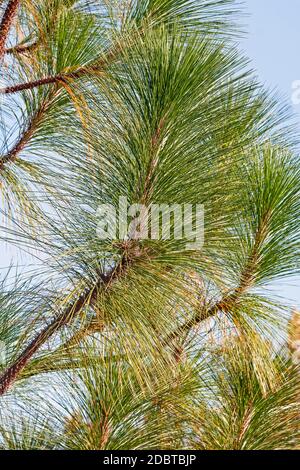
point(273, 43)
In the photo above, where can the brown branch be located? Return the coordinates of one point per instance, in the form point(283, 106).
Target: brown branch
point(145, 189)
point(223, 305)
point(35, 83)
point(29, 132)
point(89, 296)
point(10, 375)
point(230, 300)
point(6, 23)
point(94, 327)
point(21, 48)
point(64, 77)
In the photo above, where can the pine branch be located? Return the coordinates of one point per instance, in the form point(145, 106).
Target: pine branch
point(21, 48)
point(29, 132)
point(230, 300)
point(6, 23)
point(89, 296)
point(154, 144)
point(153, 162)
point(59, 78)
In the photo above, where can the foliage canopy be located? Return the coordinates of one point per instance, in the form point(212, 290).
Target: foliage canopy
point(143, 344)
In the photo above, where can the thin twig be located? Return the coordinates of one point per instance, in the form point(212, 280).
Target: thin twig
point(21, 48)
point(29, 132)
point(230, 300)
point(64, 77)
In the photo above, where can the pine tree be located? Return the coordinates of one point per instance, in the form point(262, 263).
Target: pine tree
point(130, 342)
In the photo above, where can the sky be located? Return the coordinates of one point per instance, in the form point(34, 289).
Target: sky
point(272, 42)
